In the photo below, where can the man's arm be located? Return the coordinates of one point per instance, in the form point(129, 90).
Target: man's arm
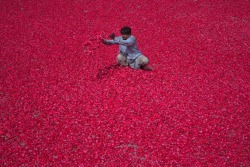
point(127, 42)
point(110, 42)
point(119, 41)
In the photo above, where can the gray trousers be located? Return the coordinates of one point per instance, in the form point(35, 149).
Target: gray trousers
point(141, 60)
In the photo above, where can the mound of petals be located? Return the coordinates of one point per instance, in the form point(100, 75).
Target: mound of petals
point(65, 101)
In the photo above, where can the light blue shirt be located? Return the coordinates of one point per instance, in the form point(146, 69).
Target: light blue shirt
point(127, 47)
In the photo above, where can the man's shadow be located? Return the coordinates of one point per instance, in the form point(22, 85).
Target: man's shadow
point(107, 71)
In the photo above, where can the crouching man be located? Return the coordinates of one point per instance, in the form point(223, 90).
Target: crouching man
point(129, 54)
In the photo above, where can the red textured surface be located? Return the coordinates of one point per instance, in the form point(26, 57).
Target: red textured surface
point(64, 102)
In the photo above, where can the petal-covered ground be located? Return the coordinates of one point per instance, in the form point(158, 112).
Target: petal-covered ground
point(65, 102)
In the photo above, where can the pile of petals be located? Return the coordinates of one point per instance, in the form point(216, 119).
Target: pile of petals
point(65, 101)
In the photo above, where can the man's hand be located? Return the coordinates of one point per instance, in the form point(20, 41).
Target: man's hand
point(112, 36)
point(104, 41)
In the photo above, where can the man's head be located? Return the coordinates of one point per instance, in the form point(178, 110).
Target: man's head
point(126, 32)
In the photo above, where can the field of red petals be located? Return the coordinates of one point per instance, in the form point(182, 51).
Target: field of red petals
point(65, 102)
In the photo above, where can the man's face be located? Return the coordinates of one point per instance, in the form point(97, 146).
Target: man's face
point(125, 36)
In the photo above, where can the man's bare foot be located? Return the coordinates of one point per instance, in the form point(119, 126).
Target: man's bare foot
point(146, 68)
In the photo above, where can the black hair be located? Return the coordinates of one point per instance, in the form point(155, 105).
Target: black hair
point(126, 30)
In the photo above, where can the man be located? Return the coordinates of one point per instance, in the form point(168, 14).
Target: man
point(129, 54)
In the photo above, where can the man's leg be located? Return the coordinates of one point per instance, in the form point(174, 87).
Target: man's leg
point(122, 60)
point(143, 63)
